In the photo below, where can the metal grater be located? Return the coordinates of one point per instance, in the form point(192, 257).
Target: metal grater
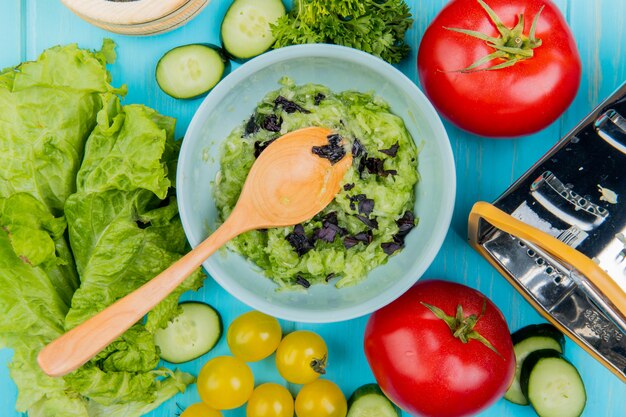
point(577, 194)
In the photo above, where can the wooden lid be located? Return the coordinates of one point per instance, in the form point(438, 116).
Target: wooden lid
point(138, 17)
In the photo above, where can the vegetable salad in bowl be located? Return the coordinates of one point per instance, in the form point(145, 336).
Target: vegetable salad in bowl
point(368, 219)
point(360, 252)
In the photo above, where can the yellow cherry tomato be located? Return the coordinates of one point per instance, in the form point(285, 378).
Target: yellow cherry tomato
point(321, 398)
point(253, 336)
point(301, 357)
point(270, 400)
point(225, 382)
point(200, 410)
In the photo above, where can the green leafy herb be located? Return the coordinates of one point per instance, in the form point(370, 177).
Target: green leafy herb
point(374, 26)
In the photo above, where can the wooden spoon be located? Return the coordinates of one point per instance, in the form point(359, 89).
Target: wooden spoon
point(287, 185)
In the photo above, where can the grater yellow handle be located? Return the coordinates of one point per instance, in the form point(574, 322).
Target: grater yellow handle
point(561, 251)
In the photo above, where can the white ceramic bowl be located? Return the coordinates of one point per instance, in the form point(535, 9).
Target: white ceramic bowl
point(340, 68)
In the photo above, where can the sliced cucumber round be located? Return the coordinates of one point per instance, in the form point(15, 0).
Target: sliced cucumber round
point(194, 332)
point(542, 329)
point(369, 401)
point(191, 71)
point(246, 30)
point(525, 341)
point(552, 385)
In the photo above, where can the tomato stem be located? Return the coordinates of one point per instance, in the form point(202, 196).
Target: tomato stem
point(319, 365)
point(512, 46)
point(462, 327)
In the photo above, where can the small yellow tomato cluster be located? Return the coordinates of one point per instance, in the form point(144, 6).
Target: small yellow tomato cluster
point(227, 382)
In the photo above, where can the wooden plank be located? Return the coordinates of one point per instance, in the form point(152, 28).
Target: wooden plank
point(11, 53)
point(12, 36)
point(485, 168)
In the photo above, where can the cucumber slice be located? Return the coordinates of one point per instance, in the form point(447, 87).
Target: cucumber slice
point(542, 329)
point(552, 385)
point(190, 71)
point(369, 401)
point(527, 340)
point(246, 28)
point(194, 332)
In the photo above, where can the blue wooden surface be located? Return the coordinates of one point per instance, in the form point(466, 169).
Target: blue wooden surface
point(485, 168)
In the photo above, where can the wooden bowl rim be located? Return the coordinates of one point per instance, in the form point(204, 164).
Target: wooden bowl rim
point(126, 13)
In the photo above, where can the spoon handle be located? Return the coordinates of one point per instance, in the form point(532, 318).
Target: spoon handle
point(83, 342)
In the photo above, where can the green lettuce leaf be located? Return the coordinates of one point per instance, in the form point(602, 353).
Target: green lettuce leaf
point(33, 307)
point(66, 404)
point(125, 229)
point(33, 384)
point(75, 164)
point(167, 388)
point(128, 150)
point(29, 303)
point(37, 237)
point(48, 108)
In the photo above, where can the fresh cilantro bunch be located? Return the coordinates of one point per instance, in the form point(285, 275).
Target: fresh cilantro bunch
point(373, 26)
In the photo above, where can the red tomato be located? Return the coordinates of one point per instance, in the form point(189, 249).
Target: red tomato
point(427, 371)
point(512, 101)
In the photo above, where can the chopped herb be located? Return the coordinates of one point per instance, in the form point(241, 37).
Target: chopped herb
point(260, 147)
point(318, 98)
point(371, 223)
point(362, 237)
point(348, 187)
point(357, 149)
point(366, 206)
point(299, 241)
point(302, 281)
point(272, 123)
point(391, 247)
point(375, 166)
point(334, 152)
point(289, 106)
point(331, 218)
point(361, 167)
point(328, 232)
point(392, 152)
point(362, 203)
point(349, 241)
point(405, 223)
point(251, 127)
point(365, 237)
point(330, 228)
